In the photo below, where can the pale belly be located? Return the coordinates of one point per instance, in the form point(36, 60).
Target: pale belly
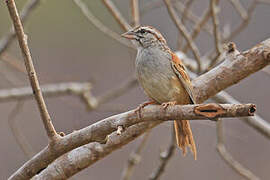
point(159, 81)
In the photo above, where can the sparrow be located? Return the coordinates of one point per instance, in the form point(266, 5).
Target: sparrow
point(163, 78)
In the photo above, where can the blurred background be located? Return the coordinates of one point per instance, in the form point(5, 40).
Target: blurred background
point(66, 47)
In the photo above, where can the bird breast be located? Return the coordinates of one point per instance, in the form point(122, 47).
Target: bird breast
point(156, 76)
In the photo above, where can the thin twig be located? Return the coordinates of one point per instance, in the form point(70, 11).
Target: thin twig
point(22, 38)
point(179, 7)
point(186, 10)
point(135, 12)
point(187, 7)
point(184, 32)
point(239, 8)
point(215, 21)
point(227, 157)
point(244, 23)
point(100, 26)
point(198, 26)
point(26, 11)
point(134, 158)
point(164, 158)
point(240, 28)
point(117, 15)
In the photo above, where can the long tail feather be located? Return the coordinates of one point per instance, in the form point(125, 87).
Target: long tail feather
point(184, 137)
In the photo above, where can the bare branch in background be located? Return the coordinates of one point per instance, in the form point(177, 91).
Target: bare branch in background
point(227, 157)
point(117, 15)
point(215, 21)
point(22, 38)
point(244, 23)
point(26, 11)
point(164, 158)
point(184, 32)
point(135, 11)
point(134, 158)
point(198, 26)
point(50, 90)
point(239, 8)
point(240, 28)
point(18, 135)
point(99, 25)
point(186, 9)
point(82, 90)
point(179, 7)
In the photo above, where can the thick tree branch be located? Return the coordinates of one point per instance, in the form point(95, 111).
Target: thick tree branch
point(98, 132)
point(22, 38)
point(238, 66)
point(235, 67)
point(88, 154)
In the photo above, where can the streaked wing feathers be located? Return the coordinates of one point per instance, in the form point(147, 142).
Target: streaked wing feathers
point(181, 73)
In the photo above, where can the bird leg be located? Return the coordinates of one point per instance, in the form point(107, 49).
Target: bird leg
point(167, 104)
point(141, 106)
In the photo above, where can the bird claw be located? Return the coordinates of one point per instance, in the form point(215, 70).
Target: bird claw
point(167, 104)
point(138, 110)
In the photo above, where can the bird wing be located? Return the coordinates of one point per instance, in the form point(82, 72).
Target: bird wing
point(181, 72)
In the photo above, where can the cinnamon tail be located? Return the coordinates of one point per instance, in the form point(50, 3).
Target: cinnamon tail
point(184, 136)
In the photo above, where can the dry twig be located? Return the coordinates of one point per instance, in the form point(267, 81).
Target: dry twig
point(184, 32)
point(214, 9)
point(135, 13)
point(18, 135)
point(99, 25)
point(198, 26)
point(22, 38)
point(117, 15)
point(134, 158)
point(164, 158)
point(227, 157)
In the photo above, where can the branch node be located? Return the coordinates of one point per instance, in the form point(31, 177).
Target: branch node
point(209, 110)
point(252, 110)
point(120, 129)
point(231, 47)
point(62, 134)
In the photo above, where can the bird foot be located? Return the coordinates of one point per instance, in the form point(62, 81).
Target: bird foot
point(167, 104)
point(141, 106)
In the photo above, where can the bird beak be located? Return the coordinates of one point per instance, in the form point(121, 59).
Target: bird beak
point(129, 35)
